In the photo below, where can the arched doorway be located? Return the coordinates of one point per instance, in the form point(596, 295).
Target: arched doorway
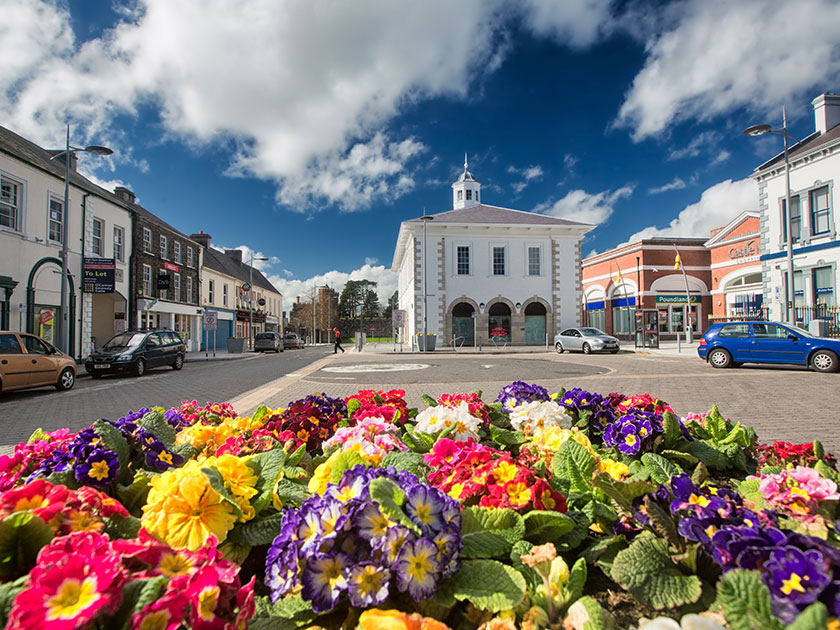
point(463, 324)
point(535, 323)
point(499, 322)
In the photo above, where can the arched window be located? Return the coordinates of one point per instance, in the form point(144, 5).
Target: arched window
point(498, 322)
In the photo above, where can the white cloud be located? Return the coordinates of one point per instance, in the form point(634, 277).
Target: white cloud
point(705, 142)
point(719, 56)
point(574, 23)
point(371, 261)
point(717, 206)
point(247, 252)
point(300, 91)
point(570, 161)
point(579, 205)
point(527, 174)
point(675, 184)
point(386, 283)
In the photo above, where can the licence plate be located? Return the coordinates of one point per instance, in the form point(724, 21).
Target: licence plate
point(101, 366)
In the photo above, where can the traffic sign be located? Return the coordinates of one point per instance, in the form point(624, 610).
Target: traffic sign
point(210, 320)
point(398, 318)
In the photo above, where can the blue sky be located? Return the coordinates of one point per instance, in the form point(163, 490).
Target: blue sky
point(306, 131)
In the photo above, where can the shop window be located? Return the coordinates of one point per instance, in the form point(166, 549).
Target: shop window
point(823, 281)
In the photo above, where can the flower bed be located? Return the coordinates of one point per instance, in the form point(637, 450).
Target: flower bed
point(532, 510)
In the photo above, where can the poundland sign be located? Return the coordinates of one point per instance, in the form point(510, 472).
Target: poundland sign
point(676, 299)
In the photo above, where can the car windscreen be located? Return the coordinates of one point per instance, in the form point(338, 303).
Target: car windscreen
point(591, 332)
point(800, 331)
point(127, 340)
point(265, 336)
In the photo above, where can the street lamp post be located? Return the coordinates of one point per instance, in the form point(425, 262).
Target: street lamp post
point(425, 218)
point(251, 299)
point(758, 130)
point(64, 323)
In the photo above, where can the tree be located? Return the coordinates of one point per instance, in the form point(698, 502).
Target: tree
point(358, 295)
point(370, 303)
point(393, 304)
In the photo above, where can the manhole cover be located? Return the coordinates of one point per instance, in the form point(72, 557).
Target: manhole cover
point(377, 367)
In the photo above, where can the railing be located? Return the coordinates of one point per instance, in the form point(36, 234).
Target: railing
point(758, 314)
point(804, 315)
point(455, 344)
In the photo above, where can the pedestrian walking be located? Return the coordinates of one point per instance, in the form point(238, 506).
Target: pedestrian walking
point(337, 343)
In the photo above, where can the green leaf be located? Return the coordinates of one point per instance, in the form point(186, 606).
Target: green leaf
point(259, 414)
point(292, 611)
point(113, 439)
point(22, 535)
point(489, 532)
point(577, 579)
point(136, 595)
point(622, 492)
point(716, 424)
point(133, 497)
point(709, 455)
point(291, 493)
point(542, 526)
point(390, 498)
point(505, 437)
point(700, 474)
point(827, 471)
point(577, 535)
point(8, 592)
point(259, 531)
point(772, 470)
point(217, 482)
point(431, 402)
point(38, 434)
point(185, 450)
point(661, 522)
point(123, 527)
point(406, 460)
point(488, 585)
point(573, 462)
point(587, 614)
point(294, 458)
point(417, 441)
point(268, 467)
point(156, 423)
point(646, 570)
point(749, 489)
point(745, 601)
point(672, 429)
point(814, 617)
point(344, 462)
point(819, 449)
point(680, 456)
point(661, 470)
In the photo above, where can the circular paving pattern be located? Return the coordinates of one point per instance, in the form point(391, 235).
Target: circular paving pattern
point(376, 367)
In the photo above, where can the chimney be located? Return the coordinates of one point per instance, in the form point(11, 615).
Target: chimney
point(202, 239)
point(236, 254)
point(714, 231)
point(826, 111)
point(125, 194)
point(74, 159)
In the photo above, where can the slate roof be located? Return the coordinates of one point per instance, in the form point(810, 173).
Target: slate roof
point(484, 214)
point(22, 149)
point(221, 262)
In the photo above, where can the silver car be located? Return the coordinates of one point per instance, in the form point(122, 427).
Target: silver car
point(586, 340)
point(268, 341)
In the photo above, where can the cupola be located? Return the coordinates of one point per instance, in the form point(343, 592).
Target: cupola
point(465, 191)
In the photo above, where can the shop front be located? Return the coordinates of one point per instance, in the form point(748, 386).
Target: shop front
point(244, 319)
point(672, 315)
point(182, 318)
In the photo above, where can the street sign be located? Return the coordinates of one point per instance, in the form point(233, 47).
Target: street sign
point(210, 320)
point(246, 287)
point(398, 318)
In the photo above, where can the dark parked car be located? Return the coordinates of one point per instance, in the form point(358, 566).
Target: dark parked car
point(29, 361)
point(292, 340)
point(137, 351)
point(268, 341)
point(585, 340)
point(734, 343)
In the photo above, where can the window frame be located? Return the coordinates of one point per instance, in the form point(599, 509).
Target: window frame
point(797, 219)
point(746, 330)
point(164, 247)
point(147, 288)
point(528, 250)
point(148, 246)
point(211, 291)
point(176, 251)
point(469, 194)
point(188, 288)
point(176, 287)
point(458, 272)
point(829, 271)
point(493, 249)
point(190, 256)
point(119, 243)
point(19, 204)
point(54, 199)
point(814, 214)
point(99, 249)
point(224, 294)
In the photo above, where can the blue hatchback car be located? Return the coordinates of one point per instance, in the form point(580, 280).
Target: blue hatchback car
point(734, 343)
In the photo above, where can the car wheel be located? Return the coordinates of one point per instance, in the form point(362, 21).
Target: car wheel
point(179, 363)
point(586, 348)
point(66, 380)
point(140, 367)
point(95, 374)
point(720, 358)
point(559, 347)
point(824, 361)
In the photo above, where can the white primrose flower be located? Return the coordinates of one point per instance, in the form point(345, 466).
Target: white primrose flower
point(436, 419)
point(528, 416)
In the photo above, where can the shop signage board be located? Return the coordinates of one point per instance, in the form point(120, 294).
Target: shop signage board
point(164, 280)
point(99, 275)
point(676, 299)
point(171, 267)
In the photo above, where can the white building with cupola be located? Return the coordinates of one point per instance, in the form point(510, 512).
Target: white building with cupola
point(478, 273)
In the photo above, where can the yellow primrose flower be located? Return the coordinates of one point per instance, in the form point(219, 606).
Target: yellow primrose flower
point(505, 472)
point(321, 476)
point(617, 470)
point(183, 510)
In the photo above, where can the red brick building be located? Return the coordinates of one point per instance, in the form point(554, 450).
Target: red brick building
point(648, 278)
point(737, 289)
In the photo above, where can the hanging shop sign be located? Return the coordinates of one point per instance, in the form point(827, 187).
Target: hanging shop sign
point(164, 280)
point(98, 275)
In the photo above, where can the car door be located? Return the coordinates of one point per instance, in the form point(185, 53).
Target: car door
point(567, 338)
point(43, 368)
point(772, 343)
point(154, 350)
point(14, 364)
point(736, 339)
point(171, 341)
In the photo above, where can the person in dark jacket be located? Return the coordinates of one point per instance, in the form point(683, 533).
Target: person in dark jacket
point(337, 342)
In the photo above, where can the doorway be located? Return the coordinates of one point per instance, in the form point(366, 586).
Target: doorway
point(535, 323)
point(463, 324)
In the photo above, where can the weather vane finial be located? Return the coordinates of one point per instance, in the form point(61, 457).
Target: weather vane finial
point(465, 161)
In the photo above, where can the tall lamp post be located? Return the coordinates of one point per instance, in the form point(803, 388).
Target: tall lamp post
point(251, 299)
point(64, 323)
point(425, 219)
point(758, 130)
